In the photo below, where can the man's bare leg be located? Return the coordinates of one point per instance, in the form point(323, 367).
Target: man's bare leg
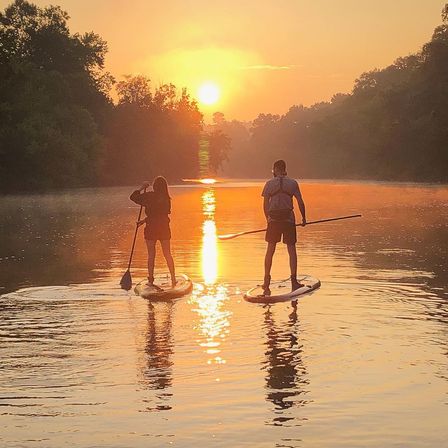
point(293, 267)
point(292, 259)
point(267, 267)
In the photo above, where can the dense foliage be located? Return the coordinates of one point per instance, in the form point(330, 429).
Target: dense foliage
point(393, 126)
point(58, 125)
point(52, 99)
point(151, 133)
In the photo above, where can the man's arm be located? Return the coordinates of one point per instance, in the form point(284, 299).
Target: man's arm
point(301, 204)
point(266, 199)
point(266, 207)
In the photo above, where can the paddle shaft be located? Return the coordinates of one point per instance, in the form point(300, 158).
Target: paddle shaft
point(229, 237)
point(331, 219)
point(135, 235)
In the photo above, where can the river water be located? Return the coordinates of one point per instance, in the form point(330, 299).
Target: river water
point(360, 363)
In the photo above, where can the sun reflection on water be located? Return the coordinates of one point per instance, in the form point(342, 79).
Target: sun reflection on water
point(210, 297)
point(208, 181)
point(209, 242)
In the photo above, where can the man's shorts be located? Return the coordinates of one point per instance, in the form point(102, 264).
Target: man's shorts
point(277, 229)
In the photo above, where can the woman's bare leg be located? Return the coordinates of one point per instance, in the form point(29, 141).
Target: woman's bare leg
point(151, 246)
point(166, 248)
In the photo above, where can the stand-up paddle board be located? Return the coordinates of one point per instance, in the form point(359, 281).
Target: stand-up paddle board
point(163, 289)
point(281, 290)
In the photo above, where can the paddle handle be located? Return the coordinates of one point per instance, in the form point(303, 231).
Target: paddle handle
point(135, 234)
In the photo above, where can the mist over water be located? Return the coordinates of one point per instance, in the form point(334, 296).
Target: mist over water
point(362, 362)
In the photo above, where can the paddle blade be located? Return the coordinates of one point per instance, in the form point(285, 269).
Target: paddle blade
point(230, 236)
point(126, 281)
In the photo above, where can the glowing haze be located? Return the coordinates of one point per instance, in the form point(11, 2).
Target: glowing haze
point(260, 56)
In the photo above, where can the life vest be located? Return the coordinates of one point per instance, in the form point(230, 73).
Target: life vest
point(281, 190)
point(282, 214)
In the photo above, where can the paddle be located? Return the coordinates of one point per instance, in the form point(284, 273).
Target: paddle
point(126, 280)
point(234, 235)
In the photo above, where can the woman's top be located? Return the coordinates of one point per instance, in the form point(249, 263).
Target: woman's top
point(157, 208)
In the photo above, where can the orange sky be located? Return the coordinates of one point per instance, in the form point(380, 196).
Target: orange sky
point(264, 55)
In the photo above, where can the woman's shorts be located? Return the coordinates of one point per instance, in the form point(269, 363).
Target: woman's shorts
point(157, 231)
point(277, 229)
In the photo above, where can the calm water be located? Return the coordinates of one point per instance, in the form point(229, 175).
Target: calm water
point(361, 363)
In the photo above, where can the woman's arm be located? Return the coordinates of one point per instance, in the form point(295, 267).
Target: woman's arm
point(137, 196)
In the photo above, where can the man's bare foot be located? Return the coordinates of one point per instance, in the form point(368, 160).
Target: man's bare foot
point(295, 284)
point(266, 291)
point(265, 286)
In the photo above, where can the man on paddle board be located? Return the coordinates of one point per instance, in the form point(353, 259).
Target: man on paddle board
point(278, 206)
point(157, 205)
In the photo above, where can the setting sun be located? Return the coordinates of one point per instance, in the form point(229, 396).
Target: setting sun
point(208, 93)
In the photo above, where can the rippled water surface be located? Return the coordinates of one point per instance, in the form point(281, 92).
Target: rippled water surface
point(360, 363)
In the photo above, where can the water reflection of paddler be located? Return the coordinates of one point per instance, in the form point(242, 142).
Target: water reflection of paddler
point(286, 374)
point(157, 366)
point(157, 205)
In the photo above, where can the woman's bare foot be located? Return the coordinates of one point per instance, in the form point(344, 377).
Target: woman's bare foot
point(152, 285)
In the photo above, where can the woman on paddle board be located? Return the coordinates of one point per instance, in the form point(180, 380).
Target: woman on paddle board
point(157, 205)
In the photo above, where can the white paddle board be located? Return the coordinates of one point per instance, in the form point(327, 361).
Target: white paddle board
point(281, 290)
point(164, 290)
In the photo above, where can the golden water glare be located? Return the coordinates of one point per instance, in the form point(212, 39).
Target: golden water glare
point(209, 240)
point(210, 297)
point(369, 345)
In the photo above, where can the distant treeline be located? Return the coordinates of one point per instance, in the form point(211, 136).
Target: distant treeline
point(60, 128)
point(393, 126)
